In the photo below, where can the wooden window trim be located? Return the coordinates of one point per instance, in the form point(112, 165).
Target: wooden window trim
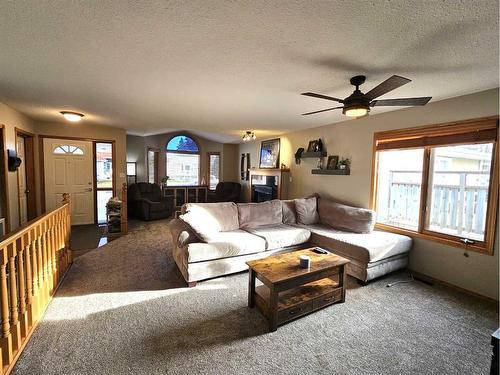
point(463, 132)
point(156, 152)
point(208, 167)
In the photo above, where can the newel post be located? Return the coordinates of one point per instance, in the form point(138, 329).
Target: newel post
point(67, 230)
point(123, 214)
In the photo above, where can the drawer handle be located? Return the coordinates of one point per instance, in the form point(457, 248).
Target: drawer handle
point(295, 311)
point(327, 299)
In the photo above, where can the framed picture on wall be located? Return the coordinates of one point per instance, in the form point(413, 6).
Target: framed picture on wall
point(270, 153)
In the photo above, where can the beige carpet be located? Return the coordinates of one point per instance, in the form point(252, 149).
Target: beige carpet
point(124, 309)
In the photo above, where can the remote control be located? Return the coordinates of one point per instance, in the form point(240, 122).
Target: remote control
point(319, 250)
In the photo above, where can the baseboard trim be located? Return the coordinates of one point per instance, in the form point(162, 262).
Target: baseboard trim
point(433, 280)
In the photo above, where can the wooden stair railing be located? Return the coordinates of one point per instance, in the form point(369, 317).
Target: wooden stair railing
point(33, 261)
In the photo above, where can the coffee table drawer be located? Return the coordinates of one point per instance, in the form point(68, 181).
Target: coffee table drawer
point(327, 299)
point(295, 311)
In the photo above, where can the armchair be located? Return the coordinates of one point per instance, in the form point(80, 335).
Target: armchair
point(226, 192)
point(145, 202)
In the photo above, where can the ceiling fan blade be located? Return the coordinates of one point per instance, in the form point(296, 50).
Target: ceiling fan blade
point(401, 102)
point(388, 85)
point(322, 96)
point(323, 110)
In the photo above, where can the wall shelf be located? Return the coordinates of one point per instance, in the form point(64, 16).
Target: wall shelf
point(335, 172)
point(313, 154)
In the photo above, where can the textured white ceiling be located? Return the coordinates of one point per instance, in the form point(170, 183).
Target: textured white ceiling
point(221, 67)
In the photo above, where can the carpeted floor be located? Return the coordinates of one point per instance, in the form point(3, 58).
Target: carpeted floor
point(125, 310)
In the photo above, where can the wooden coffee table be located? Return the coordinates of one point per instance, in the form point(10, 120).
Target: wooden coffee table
point(290, 291)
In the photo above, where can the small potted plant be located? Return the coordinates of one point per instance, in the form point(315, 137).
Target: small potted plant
point(164, 180)
point(344, 163)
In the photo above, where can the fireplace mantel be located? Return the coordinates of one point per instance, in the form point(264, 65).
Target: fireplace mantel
point(282, 176)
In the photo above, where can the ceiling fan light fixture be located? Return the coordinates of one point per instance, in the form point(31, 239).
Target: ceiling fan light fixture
point(72, 116)
point(249, 136)
point(356, 111)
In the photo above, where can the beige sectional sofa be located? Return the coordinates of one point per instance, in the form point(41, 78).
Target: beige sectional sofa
point(215, 239)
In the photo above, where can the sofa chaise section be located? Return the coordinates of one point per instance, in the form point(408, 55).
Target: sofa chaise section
point(371, 254)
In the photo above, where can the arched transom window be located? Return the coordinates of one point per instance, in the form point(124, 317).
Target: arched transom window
point(68, 149)
point(182, 161)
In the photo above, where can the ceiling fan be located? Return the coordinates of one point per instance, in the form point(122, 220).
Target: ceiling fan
point(358, 104)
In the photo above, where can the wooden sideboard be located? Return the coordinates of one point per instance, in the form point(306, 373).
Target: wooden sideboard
point(186, 194)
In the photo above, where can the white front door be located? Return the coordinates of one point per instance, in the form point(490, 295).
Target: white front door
point(21, 182)
point(68, 168)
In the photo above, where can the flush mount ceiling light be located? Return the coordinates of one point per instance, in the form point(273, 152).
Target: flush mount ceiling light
point(249, 136)
point(71, 116)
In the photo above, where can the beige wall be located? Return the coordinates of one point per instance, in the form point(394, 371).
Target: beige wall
point(12, 119)
point(137, 152)
point(354, 139)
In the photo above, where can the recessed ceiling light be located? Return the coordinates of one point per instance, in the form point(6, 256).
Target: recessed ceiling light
point(72, 116)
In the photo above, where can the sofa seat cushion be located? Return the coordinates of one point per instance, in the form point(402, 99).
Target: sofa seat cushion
point(158, 206)
point(224, 245)
point(281, 235)
point(364, 247)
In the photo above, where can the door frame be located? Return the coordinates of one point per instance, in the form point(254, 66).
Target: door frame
point(5, 178)
point(29, 156)
point(41, 137)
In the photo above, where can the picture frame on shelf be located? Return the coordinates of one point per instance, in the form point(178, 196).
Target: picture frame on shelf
point(312, 146)
point(333, 161)
point(270, 154)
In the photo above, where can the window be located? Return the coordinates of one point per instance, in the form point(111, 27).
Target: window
point(213, 170)
point(68, 149)
point(439, 182)
point(182, 161)
point(104, 177)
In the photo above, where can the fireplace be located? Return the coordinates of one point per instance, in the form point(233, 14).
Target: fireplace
point(264, 192)
point(265, 184)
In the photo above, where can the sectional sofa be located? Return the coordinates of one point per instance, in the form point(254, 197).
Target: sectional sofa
point(215, 239)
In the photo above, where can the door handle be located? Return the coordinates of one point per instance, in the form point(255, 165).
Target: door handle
point(26, 192)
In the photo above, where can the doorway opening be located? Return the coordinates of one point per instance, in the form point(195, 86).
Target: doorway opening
point(25, 149)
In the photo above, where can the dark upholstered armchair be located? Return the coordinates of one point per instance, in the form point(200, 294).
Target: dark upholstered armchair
point(145, 202)
point(226, 192)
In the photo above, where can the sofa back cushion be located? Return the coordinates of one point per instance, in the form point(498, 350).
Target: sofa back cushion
point(347, 218)
point(307, 211)
point(289, 214)
point(208, 219)
point(253, 215)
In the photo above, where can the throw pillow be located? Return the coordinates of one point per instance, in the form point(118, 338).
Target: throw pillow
point(306, 209)
point(253, 215)
point(289, 214)
point(347, 218)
